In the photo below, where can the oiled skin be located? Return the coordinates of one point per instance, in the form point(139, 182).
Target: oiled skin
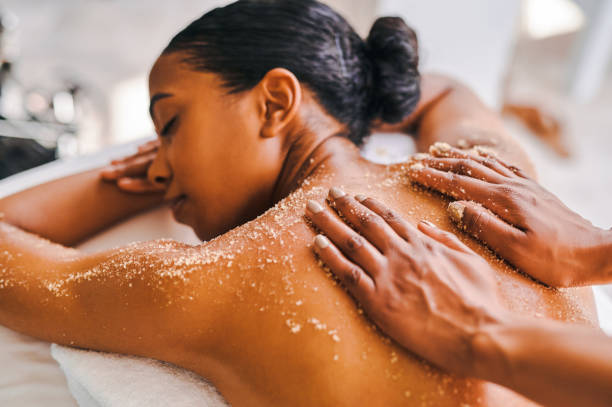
point(269, 363)
point(246, 310)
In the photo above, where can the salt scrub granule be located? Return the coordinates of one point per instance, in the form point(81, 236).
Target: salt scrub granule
point(416, 167)
point(319, 326)
point(456, 210)
point(440, 148)
point(294, 327)
point(421, 156)
point(333, 333)
point(482, 150)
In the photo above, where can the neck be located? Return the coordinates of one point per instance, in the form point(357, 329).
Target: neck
point(334, 152)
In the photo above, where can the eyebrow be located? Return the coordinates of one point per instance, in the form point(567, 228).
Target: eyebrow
point(155, 99)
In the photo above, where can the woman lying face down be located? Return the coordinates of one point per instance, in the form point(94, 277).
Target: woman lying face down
point(258, 107)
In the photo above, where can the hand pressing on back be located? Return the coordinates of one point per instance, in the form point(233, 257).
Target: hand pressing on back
point(516, 217)
point(422, 286)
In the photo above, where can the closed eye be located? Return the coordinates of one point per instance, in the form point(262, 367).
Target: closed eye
point(166, 130)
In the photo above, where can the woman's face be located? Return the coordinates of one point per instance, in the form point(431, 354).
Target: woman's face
point(218, 168)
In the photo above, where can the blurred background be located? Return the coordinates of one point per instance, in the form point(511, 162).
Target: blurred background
point(73, 76)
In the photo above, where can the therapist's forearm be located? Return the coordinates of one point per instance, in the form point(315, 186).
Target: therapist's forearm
point(552, 363)
point(600, 258)
point(73, 208)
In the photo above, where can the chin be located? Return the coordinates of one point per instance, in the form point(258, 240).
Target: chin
point(203, 233)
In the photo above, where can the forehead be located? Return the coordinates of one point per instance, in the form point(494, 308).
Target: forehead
point(171, 75)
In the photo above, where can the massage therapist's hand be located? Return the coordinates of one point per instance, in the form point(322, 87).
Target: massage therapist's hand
point(423, 287)
point(516, 217)
point(130, 173)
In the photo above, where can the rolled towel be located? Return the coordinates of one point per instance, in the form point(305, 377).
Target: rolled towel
point(98, 379)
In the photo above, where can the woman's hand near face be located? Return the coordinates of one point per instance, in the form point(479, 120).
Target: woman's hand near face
point(130, 173)
point(516, 217)
point(423, 287)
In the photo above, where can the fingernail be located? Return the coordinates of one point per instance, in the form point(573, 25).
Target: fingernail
point(417, 167)
point(314, 206)
point(463, 144)
point(336, 192)
point(484, 151)
point(439, 148)
point(360, 197)
point(428, 223)
point(321, 241)
point(455, 210)
point(420, 156)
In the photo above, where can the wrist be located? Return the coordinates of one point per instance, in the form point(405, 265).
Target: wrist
point(489, 356)
point(598, 257)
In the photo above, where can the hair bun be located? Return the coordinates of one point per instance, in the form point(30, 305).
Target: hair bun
point(393, 50)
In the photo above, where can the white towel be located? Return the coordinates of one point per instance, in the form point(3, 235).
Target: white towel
point(98, 379)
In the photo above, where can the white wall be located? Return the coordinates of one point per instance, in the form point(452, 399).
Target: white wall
point(471, 40)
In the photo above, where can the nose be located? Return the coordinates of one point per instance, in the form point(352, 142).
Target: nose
point(159, 173)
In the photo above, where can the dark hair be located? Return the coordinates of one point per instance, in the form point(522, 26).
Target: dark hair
point(355, 81)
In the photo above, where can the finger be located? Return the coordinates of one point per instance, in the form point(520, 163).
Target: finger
point(138, 185)
point(367, 222)
point(125, 160)
point(135, 167)
point(485, 226)
point(465, 166)
point(479, 154)
point(446, 238)
point(148, 147)
point(354, 278)
point(143, 150)
point(393, 219)
point(354, 246)
point(456, 185)
point(483, 152)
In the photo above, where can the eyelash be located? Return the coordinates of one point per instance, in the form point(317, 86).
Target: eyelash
point(168, 126)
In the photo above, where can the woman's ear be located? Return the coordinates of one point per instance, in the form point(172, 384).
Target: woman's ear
point(281, 97)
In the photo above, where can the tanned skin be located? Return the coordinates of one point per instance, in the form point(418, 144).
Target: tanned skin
point(436, 297)
point(252, 310)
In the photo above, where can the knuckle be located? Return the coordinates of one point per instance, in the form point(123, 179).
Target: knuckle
point(477, 222)
point(428, 245)
point(353, 276)
point(505, 194)
point(390, 216)
point(463, 166)
point(368, 220)
point(354, 243)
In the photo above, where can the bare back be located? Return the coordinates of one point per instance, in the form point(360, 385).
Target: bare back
point(286, 333)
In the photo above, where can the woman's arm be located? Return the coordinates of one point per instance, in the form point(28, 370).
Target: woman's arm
point(70, 209)
point(138, 300)
point(433, 295)
point(450, 112)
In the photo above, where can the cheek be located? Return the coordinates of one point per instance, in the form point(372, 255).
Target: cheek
point(219, 163)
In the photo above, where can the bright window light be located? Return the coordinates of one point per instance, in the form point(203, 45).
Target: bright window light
point(546, 18)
